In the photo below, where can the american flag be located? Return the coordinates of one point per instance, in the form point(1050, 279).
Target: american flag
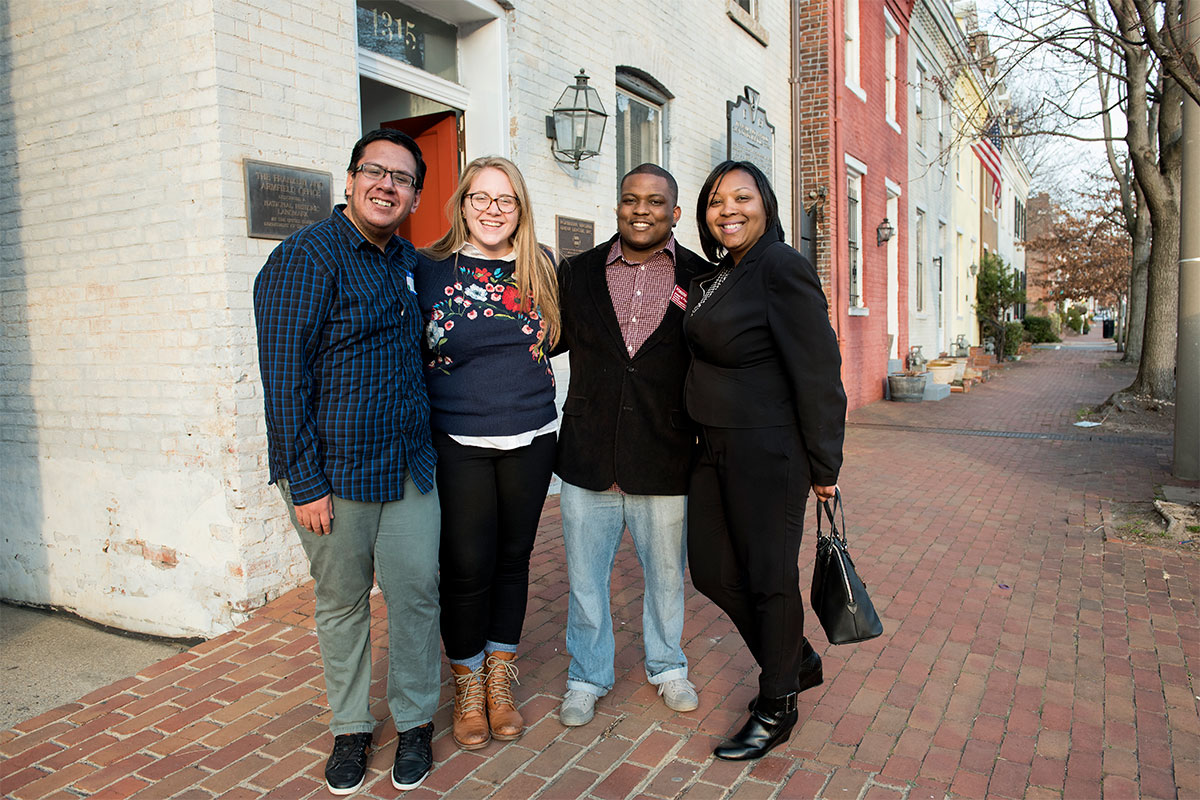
point(988, 150)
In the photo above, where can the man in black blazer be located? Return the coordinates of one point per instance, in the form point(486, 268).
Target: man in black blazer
point(625, 444)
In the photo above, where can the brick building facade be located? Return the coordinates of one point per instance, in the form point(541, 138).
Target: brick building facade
point(131, 420)
point(131, 423)
point(855, 167)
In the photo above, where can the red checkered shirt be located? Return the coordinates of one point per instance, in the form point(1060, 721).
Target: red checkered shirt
point(640, 292)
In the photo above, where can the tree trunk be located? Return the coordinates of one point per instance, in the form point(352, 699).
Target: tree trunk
point(1154, 149)
point(1156, 370)
point(1136, 322)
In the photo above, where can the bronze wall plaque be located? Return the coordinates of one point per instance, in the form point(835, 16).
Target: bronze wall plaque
point(281, 200)
point(574, 235)
point(751, 137)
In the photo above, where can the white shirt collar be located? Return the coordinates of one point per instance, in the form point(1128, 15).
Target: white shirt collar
point(471, 251)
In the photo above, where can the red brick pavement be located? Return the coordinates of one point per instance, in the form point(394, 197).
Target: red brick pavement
point(1025, 654)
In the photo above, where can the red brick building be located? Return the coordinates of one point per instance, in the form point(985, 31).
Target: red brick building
point(854, 169)
point(1039, 213)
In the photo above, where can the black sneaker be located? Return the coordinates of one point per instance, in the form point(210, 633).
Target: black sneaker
point(414, 757)
point(346, 768)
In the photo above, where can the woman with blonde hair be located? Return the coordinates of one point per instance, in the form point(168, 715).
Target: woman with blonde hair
point(490, 299)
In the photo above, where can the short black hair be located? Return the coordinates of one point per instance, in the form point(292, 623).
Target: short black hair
point(395, 137)
point(654, 169)
point(712, 248)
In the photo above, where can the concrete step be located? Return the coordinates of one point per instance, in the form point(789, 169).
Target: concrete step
point(936, 391)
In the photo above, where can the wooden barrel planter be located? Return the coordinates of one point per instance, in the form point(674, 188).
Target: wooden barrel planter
point(907, 388)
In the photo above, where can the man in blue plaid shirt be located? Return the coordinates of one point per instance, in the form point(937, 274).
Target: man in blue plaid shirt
point(348, 437)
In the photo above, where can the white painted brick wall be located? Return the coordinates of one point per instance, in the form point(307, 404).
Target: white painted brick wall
point(131, 426)
point(706, 61)
point(930, 186)
point(130, 410)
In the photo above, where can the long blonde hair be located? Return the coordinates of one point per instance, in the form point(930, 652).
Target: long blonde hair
point(534, 271)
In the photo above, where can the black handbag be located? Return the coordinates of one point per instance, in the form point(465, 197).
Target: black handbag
point(838, 595)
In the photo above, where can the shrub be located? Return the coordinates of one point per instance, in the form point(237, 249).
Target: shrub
point(1040, 329)
point(1014, 332)
point(1075, 318)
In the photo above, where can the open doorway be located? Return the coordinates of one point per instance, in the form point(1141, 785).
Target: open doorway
point(436, 128)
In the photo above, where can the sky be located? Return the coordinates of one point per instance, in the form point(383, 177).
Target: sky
point(1059, 165)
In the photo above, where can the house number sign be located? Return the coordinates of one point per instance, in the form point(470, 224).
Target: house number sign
point(386, 28)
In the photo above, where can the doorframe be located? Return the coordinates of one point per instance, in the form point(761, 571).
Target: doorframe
point(892, 211)
point(483, 95)
point(411, 79)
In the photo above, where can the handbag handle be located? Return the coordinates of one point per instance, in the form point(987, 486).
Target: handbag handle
point(829, 509)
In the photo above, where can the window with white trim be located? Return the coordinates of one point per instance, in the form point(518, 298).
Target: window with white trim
point(919, 234)
point(959, 260)
point(889, 67)
point(851, 51)
point(919, 107)
point(640, 121)
point(957, 126)
point(939, 111)
point(854, 236)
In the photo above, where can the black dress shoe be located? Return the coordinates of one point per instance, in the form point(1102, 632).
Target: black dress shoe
point(346, 768)
point(770, 724)
point(810, 671)
point(414, 757)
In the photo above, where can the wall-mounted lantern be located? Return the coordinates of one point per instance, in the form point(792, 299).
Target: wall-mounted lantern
point(973, 269)
point(884, 232)
point(937, 262)
point(576, 125)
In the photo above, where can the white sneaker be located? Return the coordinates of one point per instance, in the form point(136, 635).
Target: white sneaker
point(578, 708)
point(679, 695)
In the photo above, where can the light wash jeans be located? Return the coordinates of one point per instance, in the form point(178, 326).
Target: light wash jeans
point(396, 543)
point(593, 524)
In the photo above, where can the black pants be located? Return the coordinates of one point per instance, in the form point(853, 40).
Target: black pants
point(491, 501)
point(745, 519)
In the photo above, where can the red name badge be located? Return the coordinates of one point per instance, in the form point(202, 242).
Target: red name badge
point(679, 297)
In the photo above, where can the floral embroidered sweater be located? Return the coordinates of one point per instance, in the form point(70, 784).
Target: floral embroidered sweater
point(485, 367)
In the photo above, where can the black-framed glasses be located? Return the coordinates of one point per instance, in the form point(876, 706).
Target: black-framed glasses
point(401, 180)
point(482, 201)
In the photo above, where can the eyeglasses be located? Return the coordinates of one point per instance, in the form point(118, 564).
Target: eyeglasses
point(482, 201)
point(401, 180)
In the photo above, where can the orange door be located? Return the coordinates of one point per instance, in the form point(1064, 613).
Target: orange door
point(437, 136)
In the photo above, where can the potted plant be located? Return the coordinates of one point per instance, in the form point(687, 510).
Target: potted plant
point(907, 386)
point(941, 371)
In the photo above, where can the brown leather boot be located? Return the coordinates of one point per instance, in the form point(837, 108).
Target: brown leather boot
point(470, 721)
point(503, 717)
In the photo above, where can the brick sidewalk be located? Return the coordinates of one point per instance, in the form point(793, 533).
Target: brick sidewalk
point(1025, 655)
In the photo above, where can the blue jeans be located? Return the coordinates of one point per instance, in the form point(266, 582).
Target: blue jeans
point(396, 543)
point(593, 523)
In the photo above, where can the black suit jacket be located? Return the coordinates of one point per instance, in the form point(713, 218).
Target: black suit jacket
point(764, 353)
point(624, 420)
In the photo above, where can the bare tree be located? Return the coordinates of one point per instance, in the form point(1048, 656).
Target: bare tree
point(1115, 44)
point(1166, 35)
point(1133, 209)
point(1157, 170)
point(1085, 250)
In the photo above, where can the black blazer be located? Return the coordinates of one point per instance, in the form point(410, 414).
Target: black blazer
point(623, 421)
point(764, 353)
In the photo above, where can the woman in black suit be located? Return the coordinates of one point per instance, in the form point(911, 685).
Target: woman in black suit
point(765, 386)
